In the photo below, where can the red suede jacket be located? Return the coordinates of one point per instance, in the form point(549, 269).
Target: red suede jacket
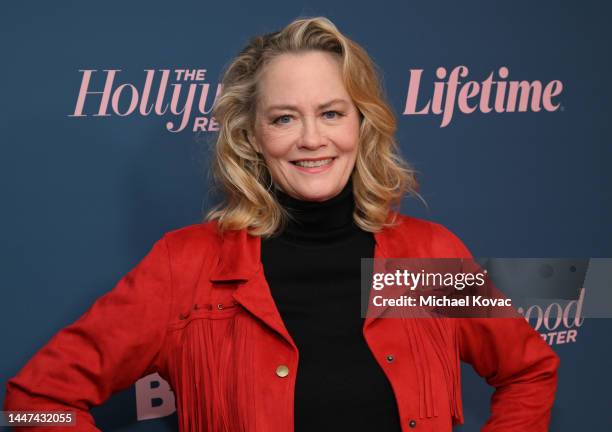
point(197, 309)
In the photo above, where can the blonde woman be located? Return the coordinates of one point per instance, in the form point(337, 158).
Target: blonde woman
point(253, 316)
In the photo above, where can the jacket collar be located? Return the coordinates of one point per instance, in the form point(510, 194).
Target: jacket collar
point(240, 261)
point(240, 257)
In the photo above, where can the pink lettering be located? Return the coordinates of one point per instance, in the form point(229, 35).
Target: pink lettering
point(83, 92)
point(499, 95)
point(125, 98)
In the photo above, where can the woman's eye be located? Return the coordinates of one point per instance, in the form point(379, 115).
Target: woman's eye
point(284, 119)
point(331, 114)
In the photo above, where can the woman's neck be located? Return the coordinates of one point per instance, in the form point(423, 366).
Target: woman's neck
point(316, 221)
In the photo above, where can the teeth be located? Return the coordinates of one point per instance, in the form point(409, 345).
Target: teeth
point(312, 164)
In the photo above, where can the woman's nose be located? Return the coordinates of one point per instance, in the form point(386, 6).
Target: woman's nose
point(311, 134)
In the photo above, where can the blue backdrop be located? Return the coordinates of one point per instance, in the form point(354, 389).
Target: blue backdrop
point(84, 198)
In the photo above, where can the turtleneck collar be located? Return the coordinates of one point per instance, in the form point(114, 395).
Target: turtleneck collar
point(319, 221)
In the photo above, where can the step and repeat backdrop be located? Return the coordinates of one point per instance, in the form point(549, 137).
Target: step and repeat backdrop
point(106, 130)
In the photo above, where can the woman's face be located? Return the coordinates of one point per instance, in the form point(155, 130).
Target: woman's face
point(306, 125)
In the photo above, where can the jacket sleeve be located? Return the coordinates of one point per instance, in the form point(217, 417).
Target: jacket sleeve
point(114, 343)
point(512, 357)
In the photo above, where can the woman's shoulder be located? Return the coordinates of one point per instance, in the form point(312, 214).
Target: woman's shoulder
point(426, 236)
point(193, 241)
point(201, 231)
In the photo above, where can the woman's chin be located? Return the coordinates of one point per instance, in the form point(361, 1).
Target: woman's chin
point(321, 194)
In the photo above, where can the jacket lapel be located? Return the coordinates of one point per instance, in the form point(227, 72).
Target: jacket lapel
point(240, 262)
point(385, 248)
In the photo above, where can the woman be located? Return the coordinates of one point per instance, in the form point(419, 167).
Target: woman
point(226, 310)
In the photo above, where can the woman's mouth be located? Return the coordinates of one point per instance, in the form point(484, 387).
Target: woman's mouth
point(313, 166)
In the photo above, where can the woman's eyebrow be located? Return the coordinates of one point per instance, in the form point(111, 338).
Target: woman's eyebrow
point(294, 108)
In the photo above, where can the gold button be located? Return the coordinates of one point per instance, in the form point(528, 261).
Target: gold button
point(282, 371)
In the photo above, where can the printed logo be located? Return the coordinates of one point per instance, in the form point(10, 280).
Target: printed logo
point(176, 92)
point(494, 93)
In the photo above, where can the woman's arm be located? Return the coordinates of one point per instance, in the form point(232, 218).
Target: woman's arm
point(114, 343)
point(513, 358)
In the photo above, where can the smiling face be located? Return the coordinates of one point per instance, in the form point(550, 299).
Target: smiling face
point(306, 125)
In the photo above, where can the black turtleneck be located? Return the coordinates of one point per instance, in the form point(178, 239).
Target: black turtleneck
point(313, 269)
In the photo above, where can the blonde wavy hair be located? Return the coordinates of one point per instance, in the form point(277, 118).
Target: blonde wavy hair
point(380, 176)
